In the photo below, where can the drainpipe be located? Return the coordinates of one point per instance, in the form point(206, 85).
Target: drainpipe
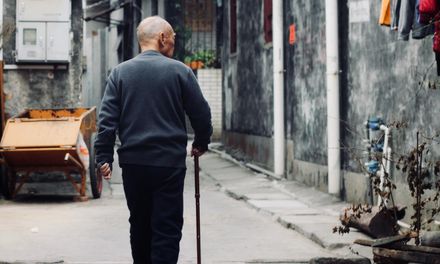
point(385, 167)
point(278, 86)
point(333, 134)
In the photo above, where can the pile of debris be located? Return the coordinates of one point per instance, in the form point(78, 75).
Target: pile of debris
point(390, 243)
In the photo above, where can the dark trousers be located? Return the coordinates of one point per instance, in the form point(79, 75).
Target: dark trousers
point(155, 200)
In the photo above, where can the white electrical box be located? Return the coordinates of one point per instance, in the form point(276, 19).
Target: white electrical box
point(31, 41)
point(43, 10)
point(57, 47)
point(43, 31)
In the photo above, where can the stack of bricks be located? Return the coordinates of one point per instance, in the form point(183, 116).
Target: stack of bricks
point(210, 81)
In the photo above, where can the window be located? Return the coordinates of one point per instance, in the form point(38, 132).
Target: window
point(199, 15)
point(30, 36)
point(268, 21)
point(233, 26)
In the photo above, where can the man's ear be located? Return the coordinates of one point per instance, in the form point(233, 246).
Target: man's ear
point(162, 38)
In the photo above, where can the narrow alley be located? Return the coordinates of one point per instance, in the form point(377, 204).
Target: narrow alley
point(54, 229)
point(318, 119)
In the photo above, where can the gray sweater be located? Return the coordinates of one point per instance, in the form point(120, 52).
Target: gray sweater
point(145, 102)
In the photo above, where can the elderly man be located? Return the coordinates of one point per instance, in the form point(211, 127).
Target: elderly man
point(145, 102)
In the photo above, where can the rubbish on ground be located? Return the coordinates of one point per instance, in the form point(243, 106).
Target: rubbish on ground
point(395, 250)
point(430, 238)
point(375, 221)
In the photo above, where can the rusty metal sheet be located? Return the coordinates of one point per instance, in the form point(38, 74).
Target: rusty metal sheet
point(26, 134)
point(54, 113)
point(405, 255)
point(41, 157)
point(42, 137)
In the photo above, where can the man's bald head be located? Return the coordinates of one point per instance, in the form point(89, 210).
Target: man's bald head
point(150, 28)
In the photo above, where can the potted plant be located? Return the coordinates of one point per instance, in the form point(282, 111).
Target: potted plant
point(200, 59)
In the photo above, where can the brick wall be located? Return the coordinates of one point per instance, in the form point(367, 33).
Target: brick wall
point(210, 81)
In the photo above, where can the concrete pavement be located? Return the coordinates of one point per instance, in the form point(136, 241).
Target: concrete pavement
point(260, 221)
point(53, 229)
point(293, 205)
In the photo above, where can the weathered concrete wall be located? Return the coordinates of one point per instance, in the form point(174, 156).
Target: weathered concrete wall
point(247, 78)
point(248, 82)
point(380, 76)
point(389, 79)
point(31, 88)
point(249, 148)
point(305, 99)
point(386, 79)
point(305, 90)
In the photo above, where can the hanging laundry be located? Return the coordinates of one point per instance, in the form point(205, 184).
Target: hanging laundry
point(385, 13)
point(395, 13)
point(418, 12)
point(437, 60)
point(430, 11)
point(408, 21)
point(420, 30)
point(406, 18)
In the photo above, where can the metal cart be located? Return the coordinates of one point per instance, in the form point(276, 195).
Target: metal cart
point(44, 140)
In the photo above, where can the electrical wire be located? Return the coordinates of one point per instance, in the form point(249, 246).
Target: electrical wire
point(141, 12)
point(97, 4)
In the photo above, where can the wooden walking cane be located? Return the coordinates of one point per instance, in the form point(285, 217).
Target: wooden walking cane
point(197, 196)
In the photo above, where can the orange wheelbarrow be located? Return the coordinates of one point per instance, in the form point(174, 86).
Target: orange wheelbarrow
point(45, 140)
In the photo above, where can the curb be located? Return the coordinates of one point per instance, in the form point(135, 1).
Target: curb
point(339, 261)
point(309, 235)
point(281, 219)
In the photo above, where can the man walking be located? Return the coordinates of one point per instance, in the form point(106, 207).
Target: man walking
point(145, 102)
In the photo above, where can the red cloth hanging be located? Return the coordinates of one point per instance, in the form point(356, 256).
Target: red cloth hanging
point(428, 8)
point(430, 11)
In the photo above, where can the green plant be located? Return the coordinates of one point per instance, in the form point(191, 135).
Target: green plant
point(188, 58)
point(207, 57)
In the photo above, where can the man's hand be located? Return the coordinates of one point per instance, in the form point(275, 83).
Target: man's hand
point(105, 171)
point(195, 152)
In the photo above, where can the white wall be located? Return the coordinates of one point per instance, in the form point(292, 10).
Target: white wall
point(210, 81)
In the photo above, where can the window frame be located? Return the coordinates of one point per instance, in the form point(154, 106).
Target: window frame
point(267, 21)
point(232, 27)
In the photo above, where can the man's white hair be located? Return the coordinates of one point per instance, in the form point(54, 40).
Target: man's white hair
point(150, 28)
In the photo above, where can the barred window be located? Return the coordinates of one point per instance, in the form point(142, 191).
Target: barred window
point(199, 16)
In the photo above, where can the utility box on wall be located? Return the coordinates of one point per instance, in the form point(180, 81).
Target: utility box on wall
point(43, 31)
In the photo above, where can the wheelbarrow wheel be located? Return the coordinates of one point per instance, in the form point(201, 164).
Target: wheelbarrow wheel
point(95, 178)
point(8, 182)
